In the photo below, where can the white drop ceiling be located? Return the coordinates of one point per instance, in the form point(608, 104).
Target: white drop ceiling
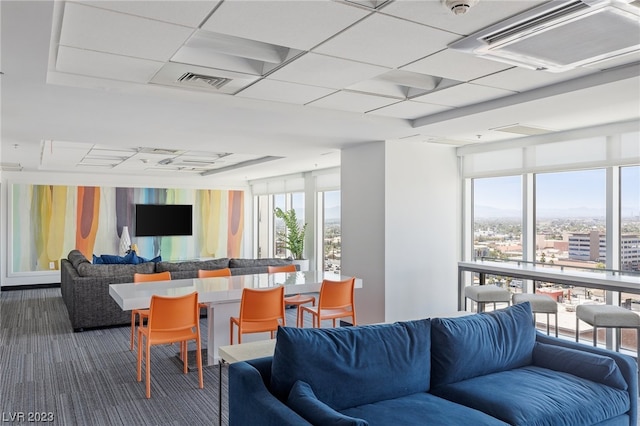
point(253, 89)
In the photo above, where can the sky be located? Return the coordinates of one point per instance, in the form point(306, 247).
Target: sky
point(577, 193)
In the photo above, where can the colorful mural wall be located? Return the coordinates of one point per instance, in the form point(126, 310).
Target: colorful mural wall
point(48, 221)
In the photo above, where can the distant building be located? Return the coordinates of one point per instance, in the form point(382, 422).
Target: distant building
point(591, 246)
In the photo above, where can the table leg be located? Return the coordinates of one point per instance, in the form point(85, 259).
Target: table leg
point(220, 392)
point(218, 325)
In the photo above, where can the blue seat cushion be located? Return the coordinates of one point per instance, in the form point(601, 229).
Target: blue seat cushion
point(479, 344)
point(420, 409)
point(538, 396)
point(371, 363)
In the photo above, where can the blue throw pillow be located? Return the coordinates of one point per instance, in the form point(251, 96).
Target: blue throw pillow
point(110, 259)
point(97, 260)
point(590, 366)
point(154, 260)
point(303, 401)
point(378, 362)
point(480, 344)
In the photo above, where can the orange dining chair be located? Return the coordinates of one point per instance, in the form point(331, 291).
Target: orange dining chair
point(212, 273)
point(171, 320)
point(261, 310)
point(295, 300)
point(144, 313)
point(336, 301)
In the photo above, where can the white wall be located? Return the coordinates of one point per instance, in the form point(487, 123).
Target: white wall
point(362, 221)
point(72, 179)
point(400, 229)
point(422, 235)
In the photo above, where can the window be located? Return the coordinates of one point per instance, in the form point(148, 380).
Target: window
point(630, 218)
point(570, 218)
point(497, 217)
point(329, 206)
point(270, 230)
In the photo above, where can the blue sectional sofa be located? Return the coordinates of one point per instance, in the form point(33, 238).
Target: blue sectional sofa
point(482, 369)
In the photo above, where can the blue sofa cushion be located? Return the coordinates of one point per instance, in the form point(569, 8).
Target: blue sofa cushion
point(372, 362)
point(97, 260)
point(538, 396)
point(420, 409)
point(304, 402)
point(594, 367)
point(480, 344)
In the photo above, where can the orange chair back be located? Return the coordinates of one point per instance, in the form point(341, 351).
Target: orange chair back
point(158, 276)
point(212, 273)
point(258, 305)
point(337, 294)
point(283, 268)
point(173, 315)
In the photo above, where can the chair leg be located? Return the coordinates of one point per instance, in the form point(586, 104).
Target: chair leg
point(577, 327)
point(595, 336)
point(148, 368)
point(556, 324)
point(199, 363)
point(133, 326)
point(231, 332)
point(185, 358)
point(139, 376)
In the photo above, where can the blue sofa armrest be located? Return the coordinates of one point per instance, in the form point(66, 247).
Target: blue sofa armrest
point(251, 403)
point(627, 365)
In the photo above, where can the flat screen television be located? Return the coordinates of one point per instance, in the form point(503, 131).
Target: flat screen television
point(161, 220)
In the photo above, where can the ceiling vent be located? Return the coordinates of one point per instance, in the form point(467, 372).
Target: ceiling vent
point(560, 35)
point(199, 79)
point(10, 167)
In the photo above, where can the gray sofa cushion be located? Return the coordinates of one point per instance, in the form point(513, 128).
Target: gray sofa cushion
point(192, 265)
point(77, 258)
point(89, 270)
point(250, 263)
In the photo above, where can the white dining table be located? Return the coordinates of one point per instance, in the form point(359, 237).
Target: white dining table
point(222, 294)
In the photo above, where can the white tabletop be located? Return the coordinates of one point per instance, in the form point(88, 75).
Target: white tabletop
point(220, 289)
point(247, 351)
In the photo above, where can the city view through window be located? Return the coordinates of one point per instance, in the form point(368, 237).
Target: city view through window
point(570, 230)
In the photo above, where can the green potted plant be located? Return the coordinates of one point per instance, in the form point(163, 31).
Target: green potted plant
point(294, 236)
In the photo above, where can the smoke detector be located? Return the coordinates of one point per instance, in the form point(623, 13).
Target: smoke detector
point(459, 7)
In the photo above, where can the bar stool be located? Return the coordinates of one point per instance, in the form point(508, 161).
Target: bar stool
point(608, 316)
point(540, 304)
point(483, 294)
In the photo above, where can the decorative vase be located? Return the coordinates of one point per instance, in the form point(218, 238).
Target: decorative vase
point(304, 264)
point(125, 241)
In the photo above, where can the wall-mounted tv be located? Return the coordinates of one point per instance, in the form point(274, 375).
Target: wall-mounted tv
point(160, 220)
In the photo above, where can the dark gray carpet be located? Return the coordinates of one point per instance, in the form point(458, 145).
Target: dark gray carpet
point(49, 372)
point(89, 378)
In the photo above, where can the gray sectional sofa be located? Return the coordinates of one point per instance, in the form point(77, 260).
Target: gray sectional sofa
point(482, 369)
point(85, 286)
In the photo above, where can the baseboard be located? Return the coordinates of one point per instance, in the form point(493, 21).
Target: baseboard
point(28, 286)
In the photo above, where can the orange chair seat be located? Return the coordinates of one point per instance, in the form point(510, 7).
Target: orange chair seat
point(299, 299)
point(330, 313)
point(256, 327)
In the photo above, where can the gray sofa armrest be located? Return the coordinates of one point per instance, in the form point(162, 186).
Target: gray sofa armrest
point(627, 365)
point(251, 403)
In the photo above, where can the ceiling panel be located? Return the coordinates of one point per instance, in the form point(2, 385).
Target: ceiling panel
point(106, 65)
point(463, 94)
point(326, 71)
point(354, 102)
point(483, 14)
point(522, 79)
point(92, 28)
point(281, 91)
point(456, 65)
point(382, 40)
point(185, 12)
point(297, 24)
point(410, 110)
